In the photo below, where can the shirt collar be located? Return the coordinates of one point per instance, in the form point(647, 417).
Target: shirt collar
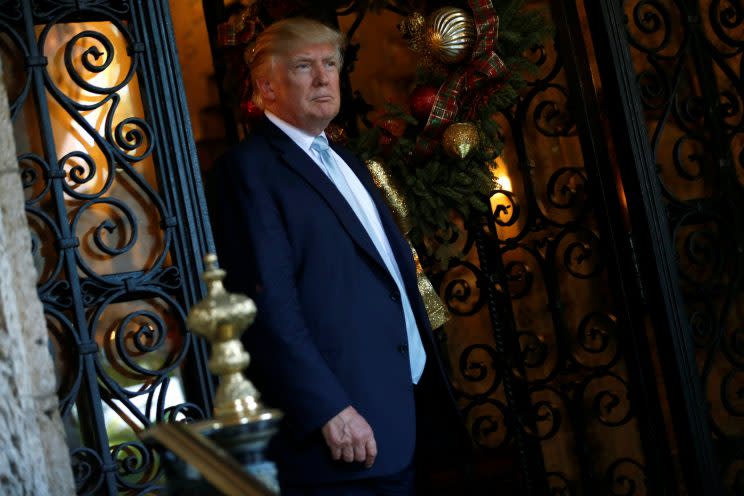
point(300, 137)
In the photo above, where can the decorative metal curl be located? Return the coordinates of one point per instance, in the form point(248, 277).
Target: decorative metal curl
point(690, 112)
point(622, 483)
point(729, 106)
point(538, 55)
point(655, 87)
point(460, 297)
point(147, 338)
point(87, 468)
point(507, 208)
point(701, 249)
point(109, 226)
point(78, 172)
point(692, 157)
point(38, 221)
point(534, 351)
point(183, 412)
point(90, 60)
point(32, 168)
point(552, 118)
point(487, 426)
point(650, 17)
point(131, 458)
point(727, 15)
point(477, 371)
point(582, 257)
point(568, 183)
point(548, 418)
point(59, 294)
point(519, 277)
point(595, 337)
point(559, 485)
point(168, 278)
point(702, 324)
point(607, 406)
point(132, 139)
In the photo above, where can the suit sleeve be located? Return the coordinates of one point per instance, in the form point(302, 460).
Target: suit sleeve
point(255, 251)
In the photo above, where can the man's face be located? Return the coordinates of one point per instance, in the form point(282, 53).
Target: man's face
point(303, 88)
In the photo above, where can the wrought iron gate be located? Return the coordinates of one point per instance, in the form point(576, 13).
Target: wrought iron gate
point(675, 66)
point(557, 377)
point(119, 226)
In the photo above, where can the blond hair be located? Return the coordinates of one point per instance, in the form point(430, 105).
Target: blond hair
point(283, 37)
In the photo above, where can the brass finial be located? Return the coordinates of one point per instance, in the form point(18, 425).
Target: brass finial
point(221, 318)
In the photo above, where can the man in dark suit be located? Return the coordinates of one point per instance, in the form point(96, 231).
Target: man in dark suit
point(341, 335)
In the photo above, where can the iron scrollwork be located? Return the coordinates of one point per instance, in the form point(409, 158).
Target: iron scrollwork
point(553, 367)
point(115, 279)
point(686, 55)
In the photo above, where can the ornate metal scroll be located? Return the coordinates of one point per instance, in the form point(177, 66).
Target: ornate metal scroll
point(112, 196)
point(535, 345)
point(687, 56)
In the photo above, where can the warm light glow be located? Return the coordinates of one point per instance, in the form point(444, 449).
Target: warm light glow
point(499, 170)
point(503, 182)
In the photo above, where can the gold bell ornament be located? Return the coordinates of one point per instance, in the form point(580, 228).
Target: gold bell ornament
point(460, 139)
point(435, 309)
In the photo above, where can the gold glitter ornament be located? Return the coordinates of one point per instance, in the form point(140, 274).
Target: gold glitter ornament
point(450, 34)
point(390, 190)
point(435, 309)
point(460, 139)
point(413, 28)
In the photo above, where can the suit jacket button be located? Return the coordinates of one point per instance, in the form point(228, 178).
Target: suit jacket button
point(403, 350)
point(395, 296)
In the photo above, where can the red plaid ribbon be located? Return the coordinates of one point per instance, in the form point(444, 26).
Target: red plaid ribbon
point(484, 64)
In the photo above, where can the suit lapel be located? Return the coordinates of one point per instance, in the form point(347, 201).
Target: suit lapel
point(295, 158)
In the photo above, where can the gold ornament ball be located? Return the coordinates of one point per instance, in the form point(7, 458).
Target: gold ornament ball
point(450, 34)
point(460, 139)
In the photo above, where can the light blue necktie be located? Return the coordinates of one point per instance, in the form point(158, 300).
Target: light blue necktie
point(416, 353)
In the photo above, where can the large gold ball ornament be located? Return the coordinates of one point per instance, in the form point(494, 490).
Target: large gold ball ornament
point(450, 34)
point(460, 139)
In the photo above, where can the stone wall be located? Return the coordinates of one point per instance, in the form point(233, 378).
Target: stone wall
point(34, 458)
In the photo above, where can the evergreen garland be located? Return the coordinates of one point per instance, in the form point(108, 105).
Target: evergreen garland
point(435, 185)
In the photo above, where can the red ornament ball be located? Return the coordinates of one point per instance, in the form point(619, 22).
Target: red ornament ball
point(422, 101)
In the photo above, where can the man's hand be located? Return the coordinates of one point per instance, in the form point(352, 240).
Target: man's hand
point(350, 437)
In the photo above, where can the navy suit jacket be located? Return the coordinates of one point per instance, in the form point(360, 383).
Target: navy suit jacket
point(330, 330)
